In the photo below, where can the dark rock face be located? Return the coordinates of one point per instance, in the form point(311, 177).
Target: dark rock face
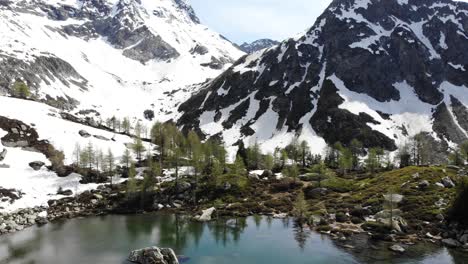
point(45, 69)
point(369, 49)
point(258, 45)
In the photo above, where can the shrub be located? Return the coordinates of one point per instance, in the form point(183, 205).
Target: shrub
point(20, 89)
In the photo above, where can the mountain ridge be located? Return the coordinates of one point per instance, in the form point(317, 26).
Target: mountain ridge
point(369, 53)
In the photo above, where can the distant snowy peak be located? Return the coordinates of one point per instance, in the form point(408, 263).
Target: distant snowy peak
point(379, 71)
point(258, 45)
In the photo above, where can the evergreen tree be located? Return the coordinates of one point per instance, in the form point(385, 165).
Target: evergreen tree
point(284, 158)
point(356, 149)
point(159, 137)
point(88, 157)
point(305, 149)
point(456, 157)
point(372, 162)
point(239, 166)
point(292, 172)
point(253, 156)
point(464, 150)
point(138, 148)
point(269, 162)
point(77, 154)
point(126, 127)
point(99, 161)
point(404, 156)
point(300, 208)
point(346, 160)
point(20, 89)
point(110, 161)
point(131, 183)
point(126, 158)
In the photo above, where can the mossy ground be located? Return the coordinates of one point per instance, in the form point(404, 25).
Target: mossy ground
point(346, 193)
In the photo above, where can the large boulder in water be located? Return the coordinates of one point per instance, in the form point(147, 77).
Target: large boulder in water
point(206, 215)
point(153, 255)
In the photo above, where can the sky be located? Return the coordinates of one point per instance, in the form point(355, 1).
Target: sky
point(248, 20)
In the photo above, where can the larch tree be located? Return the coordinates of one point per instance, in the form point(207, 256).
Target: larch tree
point(126, 158)
point(21, 90)
point(304, 149)
point(110, 160)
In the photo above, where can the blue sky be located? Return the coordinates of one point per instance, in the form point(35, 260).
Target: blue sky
point(249, 20)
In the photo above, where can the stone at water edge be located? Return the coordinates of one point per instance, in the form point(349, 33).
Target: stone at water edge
point(280, 216)
point(153, 255)
point(206, 215)
point(397, 248)
point(451, 243)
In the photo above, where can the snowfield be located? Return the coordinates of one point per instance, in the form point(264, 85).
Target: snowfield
point(41, 186)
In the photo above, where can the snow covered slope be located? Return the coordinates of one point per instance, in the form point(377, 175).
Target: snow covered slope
point(37, 187)
point(378, 71)
point(92, 60)
point(118, 57)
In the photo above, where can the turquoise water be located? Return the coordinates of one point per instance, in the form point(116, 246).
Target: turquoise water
point(109, 239)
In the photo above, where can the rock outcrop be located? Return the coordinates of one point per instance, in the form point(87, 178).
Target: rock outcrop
point(153, 255)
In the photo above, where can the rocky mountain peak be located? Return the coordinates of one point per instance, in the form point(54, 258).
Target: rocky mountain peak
point(258, 45)
point(367, 69)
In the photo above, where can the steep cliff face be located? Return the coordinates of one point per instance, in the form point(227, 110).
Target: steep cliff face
point(114, 56)
point(378, 71)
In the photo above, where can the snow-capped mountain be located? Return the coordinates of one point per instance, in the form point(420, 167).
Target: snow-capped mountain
point(378, 71)
point(118, 57)
point(258, 45)
point(86, 61)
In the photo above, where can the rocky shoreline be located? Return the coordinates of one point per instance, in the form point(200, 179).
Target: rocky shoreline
point(342, 214)
point(106, 200)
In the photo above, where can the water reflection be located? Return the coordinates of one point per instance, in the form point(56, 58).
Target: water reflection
point(256, 239)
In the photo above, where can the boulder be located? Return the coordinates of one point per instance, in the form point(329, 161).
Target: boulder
point(183, 187)
point(267, 174)
point(463, 239)
point(65, 192)
point(316, 193)
point(280, 216)
point(453, 167)
point(206, 215)
point(397, 248)
point(451, 243)
point(253, 176)
point(424, 184)
point(3, 154)
point(84, 133)
point(447, 182)
point(153, 255)
point(101, 138)
point(36, 165)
